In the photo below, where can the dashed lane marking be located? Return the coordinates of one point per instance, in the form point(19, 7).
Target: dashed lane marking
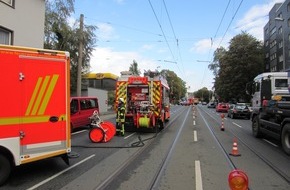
point(194, 135)
point(198, 179)
point(237, 125)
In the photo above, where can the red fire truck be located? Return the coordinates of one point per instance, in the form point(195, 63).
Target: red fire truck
point(146, 100)
point(35, 107)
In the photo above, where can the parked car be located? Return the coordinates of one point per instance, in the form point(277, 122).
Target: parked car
point(211, 105)
point(81, 109)
point(239, 110)
point(222, 107)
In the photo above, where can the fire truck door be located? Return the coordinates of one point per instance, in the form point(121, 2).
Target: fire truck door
point(43, 104)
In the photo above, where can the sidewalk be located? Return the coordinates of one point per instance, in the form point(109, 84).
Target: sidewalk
point(108, 115)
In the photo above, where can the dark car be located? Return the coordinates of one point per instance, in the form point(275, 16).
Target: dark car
point(211, 105)
point(222, 107)
point(239, 111)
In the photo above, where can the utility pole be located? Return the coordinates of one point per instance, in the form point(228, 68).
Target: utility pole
point(80, 59)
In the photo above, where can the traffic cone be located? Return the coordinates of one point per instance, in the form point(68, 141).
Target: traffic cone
point(222, 126)
point(235, 151)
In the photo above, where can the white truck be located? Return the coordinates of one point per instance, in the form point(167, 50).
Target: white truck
point(271, 106)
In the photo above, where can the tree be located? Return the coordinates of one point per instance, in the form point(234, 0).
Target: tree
point(61, 35)
point(177, 85)
point(236, 67)
point(203, 94)
point(134, 68)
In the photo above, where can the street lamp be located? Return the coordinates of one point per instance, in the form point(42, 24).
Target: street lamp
point(283, 42)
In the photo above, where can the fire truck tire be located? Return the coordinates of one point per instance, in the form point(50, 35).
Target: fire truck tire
point(256, 127)
point(96, 135)
point(161, 125)
point(285, 138)
point(5, 169)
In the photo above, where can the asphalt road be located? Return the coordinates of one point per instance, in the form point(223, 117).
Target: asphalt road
point(192, 152)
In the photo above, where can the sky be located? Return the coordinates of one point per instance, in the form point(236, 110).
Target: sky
point(178, 35)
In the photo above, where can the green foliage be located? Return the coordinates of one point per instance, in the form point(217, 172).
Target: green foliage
point(203, 94)
point(176, 84)
point(235, 67)
point(61, 35)
point(134, 68)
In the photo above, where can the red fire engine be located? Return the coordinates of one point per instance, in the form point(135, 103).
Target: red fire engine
point(146, 100)
point(34, 99)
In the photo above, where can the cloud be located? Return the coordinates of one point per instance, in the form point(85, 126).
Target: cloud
point(106, 32)
point(252, 22)
point(107, 60)
point(255, 19)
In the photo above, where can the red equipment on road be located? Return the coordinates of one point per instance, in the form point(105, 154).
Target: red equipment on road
point(102, 131)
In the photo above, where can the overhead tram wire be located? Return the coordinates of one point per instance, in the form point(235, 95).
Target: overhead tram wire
point(231, 22)
point(222, 19)
point(128, 27)
point(161, 29)
point(212, 40)
point(164, 33)
point(177, 42)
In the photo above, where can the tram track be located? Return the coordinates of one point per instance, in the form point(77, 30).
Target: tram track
point(262, 157)
point(154, 182)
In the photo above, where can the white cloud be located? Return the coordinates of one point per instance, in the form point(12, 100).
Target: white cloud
point(255, 19)
point(147, 47)
point(107, 60)
point(202, 46)
point(106, 32)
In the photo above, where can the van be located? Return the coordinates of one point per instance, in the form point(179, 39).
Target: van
point(81, 109)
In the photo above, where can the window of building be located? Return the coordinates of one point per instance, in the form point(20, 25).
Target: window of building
point(266, 31)
point(280, 45)
point(267, 54)
point(281, 58)
point(288, 22)
point(9, 2)
point(5, 36)
point(280, 30)
point(274, 68)
point(288, 7)
point(267, 43)
point(273, 31)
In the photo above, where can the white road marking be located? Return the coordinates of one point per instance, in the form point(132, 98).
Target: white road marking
point(59, 173)
point(74, 133)
point(270, 143)
point(129, 135)
point(194, 136)
point(194, 122)
point(237, 125)
point(198, 179)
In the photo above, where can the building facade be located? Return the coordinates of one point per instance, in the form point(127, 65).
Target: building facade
point(22, 22)
point(277, 38)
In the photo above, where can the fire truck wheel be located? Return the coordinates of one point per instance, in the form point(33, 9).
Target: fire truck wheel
point(161, 125)
point(256, 127)
point(5, 169)
point(285, 138)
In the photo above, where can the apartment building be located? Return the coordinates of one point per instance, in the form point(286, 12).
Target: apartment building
point(22, 22)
